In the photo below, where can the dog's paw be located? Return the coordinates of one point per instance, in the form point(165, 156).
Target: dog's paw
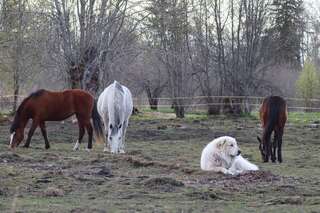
point(237, 172)
point(227, 171)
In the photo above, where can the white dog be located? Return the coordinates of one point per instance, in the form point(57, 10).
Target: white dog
point(223, 155)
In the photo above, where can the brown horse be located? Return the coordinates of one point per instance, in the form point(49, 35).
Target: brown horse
point(273, 116)
point(44, 105)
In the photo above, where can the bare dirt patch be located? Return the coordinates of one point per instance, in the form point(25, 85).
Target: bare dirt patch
point(53, 192)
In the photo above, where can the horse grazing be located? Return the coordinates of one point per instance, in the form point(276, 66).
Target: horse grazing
point(115, 106)
point(44, 105)
point(273, 117)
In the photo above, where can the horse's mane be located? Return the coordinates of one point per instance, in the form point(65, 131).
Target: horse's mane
point(118, 96)
point(16, 120)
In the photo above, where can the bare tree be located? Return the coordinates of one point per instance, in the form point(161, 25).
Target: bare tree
point(227, 50)
point(20, 43)
point(169, 22)
point(88, 31)
point(150, 75)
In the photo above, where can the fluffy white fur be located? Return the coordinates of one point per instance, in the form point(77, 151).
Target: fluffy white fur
point(115, 107)
point(241, 164)
point(223, 155)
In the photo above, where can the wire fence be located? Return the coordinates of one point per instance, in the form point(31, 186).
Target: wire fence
point(197, 103)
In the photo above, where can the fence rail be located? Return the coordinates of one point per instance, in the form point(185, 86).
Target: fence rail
point(196, 102)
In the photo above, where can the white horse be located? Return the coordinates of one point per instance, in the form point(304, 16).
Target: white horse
point(115, 107)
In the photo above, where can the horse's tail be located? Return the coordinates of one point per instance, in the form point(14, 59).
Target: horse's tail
point(97, 124)
point(273, 117)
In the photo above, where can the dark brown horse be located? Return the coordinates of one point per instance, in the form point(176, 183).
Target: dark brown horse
point(44, 105)
point(273, 117)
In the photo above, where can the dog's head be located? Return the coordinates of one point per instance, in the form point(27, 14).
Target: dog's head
point(229, 146)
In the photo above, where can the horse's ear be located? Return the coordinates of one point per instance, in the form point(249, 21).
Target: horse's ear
point(259, 139)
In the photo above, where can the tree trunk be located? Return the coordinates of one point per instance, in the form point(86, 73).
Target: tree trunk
point(179, 110)
point(75, 75)
point(19, 48)
point(153, 102)
point(153, 97)
point(213, 109)
point(16, 93)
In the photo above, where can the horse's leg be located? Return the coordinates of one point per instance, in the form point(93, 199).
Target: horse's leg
point(44, 134)
point(269, 149)
point(274, 144)
point(122, 145)
point(107, 146)
point(280, 145)
point(81, 133)
point(90, 133)
point(30, 134)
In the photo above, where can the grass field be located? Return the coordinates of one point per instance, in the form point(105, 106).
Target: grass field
point(160, 171)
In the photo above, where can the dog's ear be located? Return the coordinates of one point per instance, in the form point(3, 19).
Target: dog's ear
point(221, 143)
point(259, 139)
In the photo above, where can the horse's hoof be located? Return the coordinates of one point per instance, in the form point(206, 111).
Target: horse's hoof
point(88, 150)
point(122, 151)
point(106, 149)
point(47, 147)
point(25, 146)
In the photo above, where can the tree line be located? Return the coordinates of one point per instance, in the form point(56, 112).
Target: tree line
point(176, 48)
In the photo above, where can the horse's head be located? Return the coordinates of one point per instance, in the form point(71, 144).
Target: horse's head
point(16, 137)
point(263, 150)
point(115, 136)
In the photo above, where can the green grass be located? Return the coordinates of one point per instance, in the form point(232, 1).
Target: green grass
point(172, 151)
point(304, 117)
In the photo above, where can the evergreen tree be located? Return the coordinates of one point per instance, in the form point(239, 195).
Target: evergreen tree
point(286, 30)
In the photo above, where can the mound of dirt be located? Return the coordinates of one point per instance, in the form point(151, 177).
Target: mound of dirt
point(203, 195)
point(246, 178)
point(4, 191)
point(104, 171)
point(53, 192)
point(96, 174)
point(254, 176)
point(137, 162)
point(164, 184)
point(250, 177)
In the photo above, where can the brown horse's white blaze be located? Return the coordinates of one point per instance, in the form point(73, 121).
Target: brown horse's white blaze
point(273, 116)
point(45, 105)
